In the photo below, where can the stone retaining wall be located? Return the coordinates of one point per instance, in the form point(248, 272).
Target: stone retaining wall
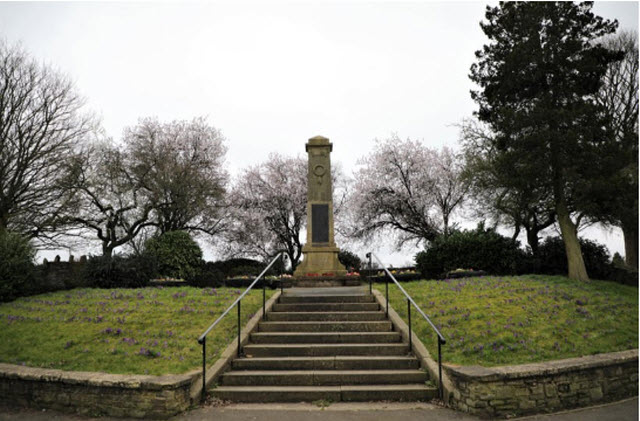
point(96, 393)
point(544, 387)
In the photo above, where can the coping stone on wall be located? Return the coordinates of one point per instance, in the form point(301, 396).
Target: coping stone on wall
point(554, 367)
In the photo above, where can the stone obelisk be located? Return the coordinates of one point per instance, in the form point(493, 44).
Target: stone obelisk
point(320, 251)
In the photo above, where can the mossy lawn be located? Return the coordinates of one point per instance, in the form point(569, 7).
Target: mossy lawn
point(133, 331)
point(506, 320)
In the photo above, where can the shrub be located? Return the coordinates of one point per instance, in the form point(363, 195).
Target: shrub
point(349, 260)
point(17, 270)
point(618, 261)
point(250, 267)
point(176, 254)
point(119, 271)
point(479, 249)
point(245, 270)
point(552, 258)
point(623, 275)
point(226, 266)
point(208, 276)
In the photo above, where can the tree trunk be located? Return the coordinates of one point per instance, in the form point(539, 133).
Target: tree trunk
point(293, 259)
point(577, 269)
point(4, 222)
point(630, 232)
point(516, 233)
point(107, 250)
point(533, 240)
point(446, 225)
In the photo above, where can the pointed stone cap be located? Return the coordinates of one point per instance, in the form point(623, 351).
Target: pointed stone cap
point(319, 141)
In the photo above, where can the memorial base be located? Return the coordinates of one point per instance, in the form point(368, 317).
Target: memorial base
point(320, 261)
point(322, 282)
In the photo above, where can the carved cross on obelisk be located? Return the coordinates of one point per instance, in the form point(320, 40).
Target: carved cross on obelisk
point(320, 251)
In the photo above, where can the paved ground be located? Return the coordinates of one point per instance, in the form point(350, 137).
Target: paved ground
point(626, 410)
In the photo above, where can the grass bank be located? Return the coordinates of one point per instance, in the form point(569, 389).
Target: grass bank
point(132, 331)
point(505, 320)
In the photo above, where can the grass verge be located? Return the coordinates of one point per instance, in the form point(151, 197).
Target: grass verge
point(492, 321)
point(132, 331)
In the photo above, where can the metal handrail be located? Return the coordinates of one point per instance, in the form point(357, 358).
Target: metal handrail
point(441, 339)
point(202, 339)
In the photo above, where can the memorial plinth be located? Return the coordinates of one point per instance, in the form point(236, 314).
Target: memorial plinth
point(320, 251)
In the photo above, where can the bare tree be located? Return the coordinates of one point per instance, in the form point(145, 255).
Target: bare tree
point(40, 124)
point(450, 187)
point(109, 199)
point(181, 166)
point(269, 209)
point(405, 188)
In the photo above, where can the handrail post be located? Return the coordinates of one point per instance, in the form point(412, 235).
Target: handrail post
point(386, 288)
point(369, 273)
point(284, 265)
point(264, 299)
point(239, 345)
point(409, 313)
point(440, 392)
point(204, 369)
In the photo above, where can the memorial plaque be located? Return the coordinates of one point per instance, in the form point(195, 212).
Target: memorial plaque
point(320, 223)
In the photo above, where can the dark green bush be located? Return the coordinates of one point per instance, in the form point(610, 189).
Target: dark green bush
point(479, 249)
point(618, 261)
point(240, 266)
point(120, 271)
point(349, 260)
point(208, 276)
point(176, 254)
point(17, 271)
point(247, 270)
point(226, 266)
point(623, 275)
point(278, 267)
point(552, 258)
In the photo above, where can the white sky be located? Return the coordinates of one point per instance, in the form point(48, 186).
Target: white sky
point(270, 75)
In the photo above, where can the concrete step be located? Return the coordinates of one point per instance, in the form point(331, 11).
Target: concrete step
point(308, 307)
point(308, 350)
point(293, 299)
point(324, 337)
point(327, 363)
point(315, 326)
point(277, 393)
point(351, 316)
point(321, 377)
point(400, 392)
point(391, 392)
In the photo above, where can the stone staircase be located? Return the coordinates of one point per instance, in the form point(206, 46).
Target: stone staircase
point(332, 344)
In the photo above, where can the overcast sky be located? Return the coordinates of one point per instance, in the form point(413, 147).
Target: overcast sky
point(270, 75)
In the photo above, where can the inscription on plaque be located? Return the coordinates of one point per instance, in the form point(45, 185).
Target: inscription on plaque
point(320, 223)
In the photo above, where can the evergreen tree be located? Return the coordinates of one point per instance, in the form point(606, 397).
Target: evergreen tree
point(539, 76)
